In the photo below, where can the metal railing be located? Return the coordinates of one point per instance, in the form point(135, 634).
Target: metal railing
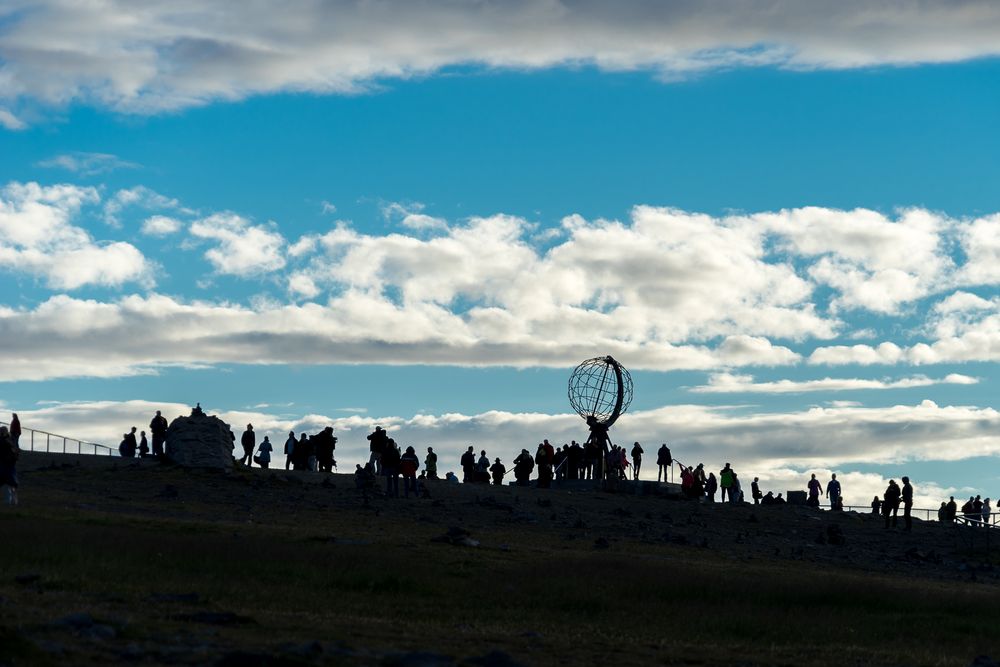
point(34, 440)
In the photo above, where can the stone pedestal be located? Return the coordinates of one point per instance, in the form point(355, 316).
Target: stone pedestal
point(200, 441)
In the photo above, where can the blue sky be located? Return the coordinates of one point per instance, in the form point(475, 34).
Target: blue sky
point(433, 234)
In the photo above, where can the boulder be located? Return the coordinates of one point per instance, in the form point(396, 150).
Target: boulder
point(200, 441)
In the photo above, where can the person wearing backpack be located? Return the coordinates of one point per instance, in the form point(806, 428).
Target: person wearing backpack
point(9, 454)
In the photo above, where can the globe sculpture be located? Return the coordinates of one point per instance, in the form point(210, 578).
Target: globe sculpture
point(600, 390)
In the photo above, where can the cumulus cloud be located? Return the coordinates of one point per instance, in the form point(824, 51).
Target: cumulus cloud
point(165, 55)
point(781, 448)
point(730, 383)
point(243, 249)
point(87, 164)
point(38, 237)
point(161, 225)
point(412, 216)
point(140, 197)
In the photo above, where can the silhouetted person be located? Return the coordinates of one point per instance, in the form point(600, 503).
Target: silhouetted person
point(249, 442)
point(158, 429)
point(600, 441)
point(451, 477)
point(128, 445)
point(544, 467)
point(687, 482)
point(468, 462)
point(377, 444)
point(663, 462)
point(833, 490)
point(523, 466)
point(768, 498)
point(483, 468)
point(700, 481)
point(390, 468)
point(300, 460)
point(264, 453)
point(890, 503)
point(726, 481)
point(943, 512)
point(977, 508)
point(755, 490)
point(711, 487)
point(967, 509)
point(907, 497)
point(636, 460)
point(15, 430)
point(9, 453)
point(143, 445)
point(497, 470)
point(735, 491)
point(574, 460)
point(952, 509)
point(876, 506)
point(814, 489)
point(290, 450)
point(408, 464)
point(431, 464)
point(325, 443)
point(558, 463)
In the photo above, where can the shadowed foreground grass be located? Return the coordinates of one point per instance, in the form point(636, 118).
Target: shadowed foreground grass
point(542, 601)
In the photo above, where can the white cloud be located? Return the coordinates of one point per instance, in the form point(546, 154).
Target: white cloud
point(327, 207)
point(165, 55)
point(87, 164)
point(243, 249)
point(161, 225)
point(38, 237)
point(981, 243)
point(141, 197)
point(302, 285)
point(781, 448)
point(412, 217)
point(10, 121)
point(729, 383)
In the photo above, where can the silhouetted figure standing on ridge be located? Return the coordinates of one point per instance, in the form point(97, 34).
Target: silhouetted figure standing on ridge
point(814, 487)
point(755, 490)
point(907, 504)
point(523, 466)
point(544, 467)
point(952, 509)
point(325, 443)
point(483, 468)
point(431, 464)
point(890, 503)
point(9, 453)
point(711, 487)
point(290, 450)
point(158, 429)
point(249, 442)
point(574, 460)
point(378, 440)
point(408, 464)
point(468, 462)
point(636, 459)
point(15, 430)
point(726, 482)
point(264, 454)
point(498, 471)
point(143, 445)
point(128, 445)
point(390, 468)
point(300, 460)
point(663, 461)
point(833, 491)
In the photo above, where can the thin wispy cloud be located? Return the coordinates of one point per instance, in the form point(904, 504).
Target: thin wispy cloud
point(729, 383)
point(87, 164)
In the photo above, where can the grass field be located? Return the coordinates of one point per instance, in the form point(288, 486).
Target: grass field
point(382, 588)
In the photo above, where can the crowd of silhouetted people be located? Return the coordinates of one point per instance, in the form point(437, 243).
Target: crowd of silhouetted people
point(609, 464)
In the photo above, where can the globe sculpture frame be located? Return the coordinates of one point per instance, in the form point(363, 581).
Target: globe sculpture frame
point(600, 391)
point(600, 388)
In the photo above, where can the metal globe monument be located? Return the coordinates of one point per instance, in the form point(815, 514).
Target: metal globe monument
point(600, 390)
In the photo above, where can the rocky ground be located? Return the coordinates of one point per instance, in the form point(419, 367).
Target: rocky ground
point(276, 567)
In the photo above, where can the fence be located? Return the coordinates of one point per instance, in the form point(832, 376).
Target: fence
point(34, 440)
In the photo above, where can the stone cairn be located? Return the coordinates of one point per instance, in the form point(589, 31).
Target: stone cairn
point(200, 441)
